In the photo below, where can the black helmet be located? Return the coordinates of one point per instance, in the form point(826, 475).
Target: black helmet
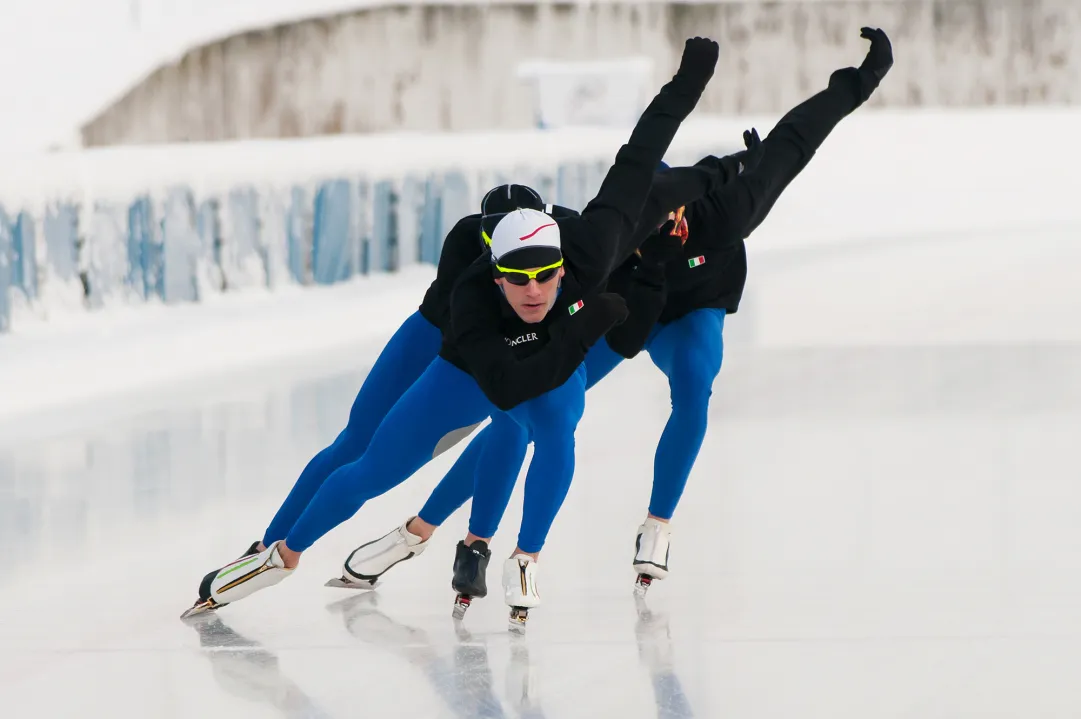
point(508, 198)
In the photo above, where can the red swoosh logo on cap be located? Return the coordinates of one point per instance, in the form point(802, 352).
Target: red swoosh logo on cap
point(550, 224)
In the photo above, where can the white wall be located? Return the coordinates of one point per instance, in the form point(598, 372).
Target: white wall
point(442, 67)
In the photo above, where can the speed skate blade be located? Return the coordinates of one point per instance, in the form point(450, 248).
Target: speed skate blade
point(199, 608)
point(461, 605)
point(343, 583)
point(517, 620)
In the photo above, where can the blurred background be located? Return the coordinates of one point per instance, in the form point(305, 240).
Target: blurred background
point(214, 214)
point(154, 146)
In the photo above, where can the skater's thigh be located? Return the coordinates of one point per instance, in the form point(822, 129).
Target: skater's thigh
point(399, 365)
point(555, 411)
point(600, 361)
point(442, 404)
point(691, 347)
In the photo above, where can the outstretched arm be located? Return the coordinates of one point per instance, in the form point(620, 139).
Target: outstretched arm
point(604, 234)
point(796, 138)
point(678, 187)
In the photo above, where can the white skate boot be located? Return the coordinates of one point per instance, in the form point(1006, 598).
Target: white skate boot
point(651, 554)
point(238, 579)
point(520, 589)
point(368, 562)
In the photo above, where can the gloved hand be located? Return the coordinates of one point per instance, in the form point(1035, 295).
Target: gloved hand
point(745, 160)
point(879, 58)
point(864, 79)
point(666, 244)
point(754, 152)
point(699, 60)
point(599, 314)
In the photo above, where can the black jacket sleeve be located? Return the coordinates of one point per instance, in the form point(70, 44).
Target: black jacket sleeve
point(505, 379)
point(741, 205)
point(642, 286)
point(674, 188)
point(604, 234)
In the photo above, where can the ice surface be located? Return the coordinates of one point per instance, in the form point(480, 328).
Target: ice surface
point(883, 522)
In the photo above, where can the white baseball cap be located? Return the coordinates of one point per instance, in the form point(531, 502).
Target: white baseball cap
point(525, 239)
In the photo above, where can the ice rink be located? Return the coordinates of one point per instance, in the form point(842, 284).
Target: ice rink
point(885, 521)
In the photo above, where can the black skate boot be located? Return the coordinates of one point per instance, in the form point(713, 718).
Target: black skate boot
point(470, 567)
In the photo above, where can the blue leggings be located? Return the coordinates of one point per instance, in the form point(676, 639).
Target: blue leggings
point(441, 404)
point(689, 352)
point(403, 360)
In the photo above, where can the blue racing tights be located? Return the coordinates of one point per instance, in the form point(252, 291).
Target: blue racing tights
point(442, 403)
point(689, 352)
point(402, 361)
point(549, 421)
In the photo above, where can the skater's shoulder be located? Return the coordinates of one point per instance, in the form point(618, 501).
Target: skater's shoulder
point(467, 224)
point(474, 283)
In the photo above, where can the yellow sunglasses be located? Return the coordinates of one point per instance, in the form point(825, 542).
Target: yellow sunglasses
point(522, 277)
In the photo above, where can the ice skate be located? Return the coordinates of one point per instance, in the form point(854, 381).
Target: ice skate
point(368, 562)
point(651, 554)
point(238, 579)
point(470, 567)
point(520, 589)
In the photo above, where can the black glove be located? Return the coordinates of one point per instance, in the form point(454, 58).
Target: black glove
point(699, 60)
point(745, 160)
point(664, 245)
point(754, 152)
point(864, 79)
point(879, 58)
point(599, 314)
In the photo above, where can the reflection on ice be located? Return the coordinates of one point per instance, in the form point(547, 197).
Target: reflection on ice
point(171, 463)
point(244, 668)
point(462, 677)
point(655, 649)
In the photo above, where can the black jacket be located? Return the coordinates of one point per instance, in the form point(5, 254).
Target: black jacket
point(514, 361)
point(720, 221)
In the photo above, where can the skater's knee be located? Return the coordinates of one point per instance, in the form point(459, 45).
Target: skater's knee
point(506, 430)
point(554, 440)
point(348, 446)
point(692, 379)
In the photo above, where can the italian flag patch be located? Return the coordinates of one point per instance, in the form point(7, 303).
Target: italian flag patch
point(696, 261)
point(576, 306)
